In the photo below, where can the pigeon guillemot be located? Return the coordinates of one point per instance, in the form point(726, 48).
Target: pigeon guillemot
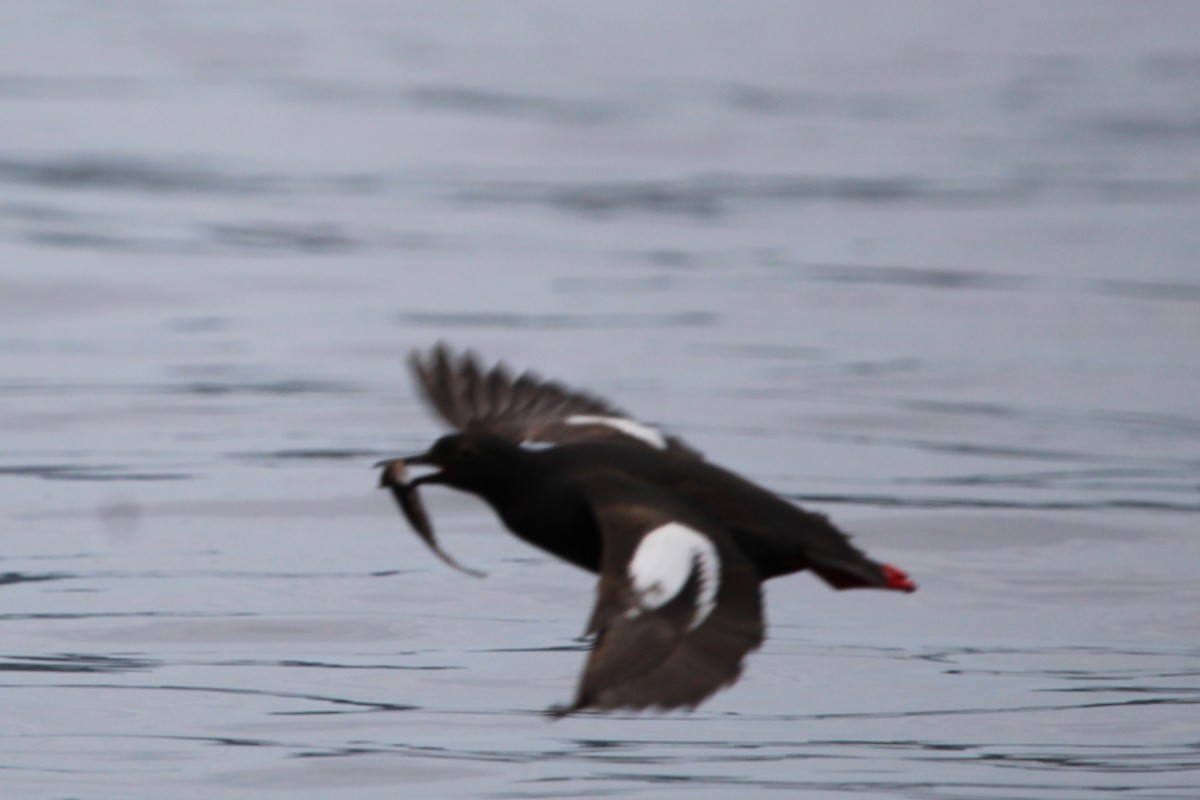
point(681, 546)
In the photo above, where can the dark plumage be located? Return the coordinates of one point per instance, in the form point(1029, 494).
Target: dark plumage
point(681, 545)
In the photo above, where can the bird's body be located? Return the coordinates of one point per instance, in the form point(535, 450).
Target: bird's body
point(681, 545)
point(777, 536)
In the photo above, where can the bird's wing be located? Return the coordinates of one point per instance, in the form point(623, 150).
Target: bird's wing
point(525, 408)
point(677, 606)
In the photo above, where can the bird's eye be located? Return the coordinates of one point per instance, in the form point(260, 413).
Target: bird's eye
point(468, 453)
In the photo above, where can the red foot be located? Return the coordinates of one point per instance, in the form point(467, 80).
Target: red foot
point(897, 578)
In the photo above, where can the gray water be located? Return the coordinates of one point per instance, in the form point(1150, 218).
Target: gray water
point(929, 267)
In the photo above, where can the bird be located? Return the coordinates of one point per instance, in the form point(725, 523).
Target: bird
point(681, 546)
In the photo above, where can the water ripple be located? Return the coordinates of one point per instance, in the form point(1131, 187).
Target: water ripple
point(76, 662)
point(497, 319)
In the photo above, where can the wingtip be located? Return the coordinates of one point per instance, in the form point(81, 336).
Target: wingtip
point(422, 360)
point(559, 711)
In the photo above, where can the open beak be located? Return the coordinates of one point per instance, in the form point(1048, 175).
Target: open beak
point(396, 473)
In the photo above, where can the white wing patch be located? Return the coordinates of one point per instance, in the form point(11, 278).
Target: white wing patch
point(535, 444)
point(628, 427)
point(665, 560)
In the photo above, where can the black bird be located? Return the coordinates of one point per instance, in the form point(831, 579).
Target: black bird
point(681, 545)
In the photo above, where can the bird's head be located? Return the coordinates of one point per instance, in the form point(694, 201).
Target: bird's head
point(475, 462)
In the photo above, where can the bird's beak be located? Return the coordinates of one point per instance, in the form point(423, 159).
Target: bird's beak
point(396, 471)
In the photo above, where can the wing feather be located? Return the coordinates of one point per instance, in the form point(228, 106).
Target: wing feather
point(525, 408)
point(655, 655)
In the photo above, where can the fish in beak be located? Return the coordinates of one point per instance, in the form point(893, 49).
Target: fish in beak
point(395, 478)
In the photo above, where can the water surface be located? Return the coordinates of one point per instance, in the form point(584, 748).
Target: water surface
point(929, 269)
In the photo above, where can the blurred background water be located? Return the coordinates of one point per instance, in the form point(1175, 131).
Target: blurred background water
point(929, 267)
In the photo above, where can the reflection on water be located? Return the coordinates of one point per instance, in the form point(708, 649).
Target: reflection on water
point(930, 270)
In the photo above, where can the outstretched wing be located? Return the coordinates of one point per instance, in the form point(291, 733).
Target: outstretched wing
point(677, 606)
point(525, 408)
